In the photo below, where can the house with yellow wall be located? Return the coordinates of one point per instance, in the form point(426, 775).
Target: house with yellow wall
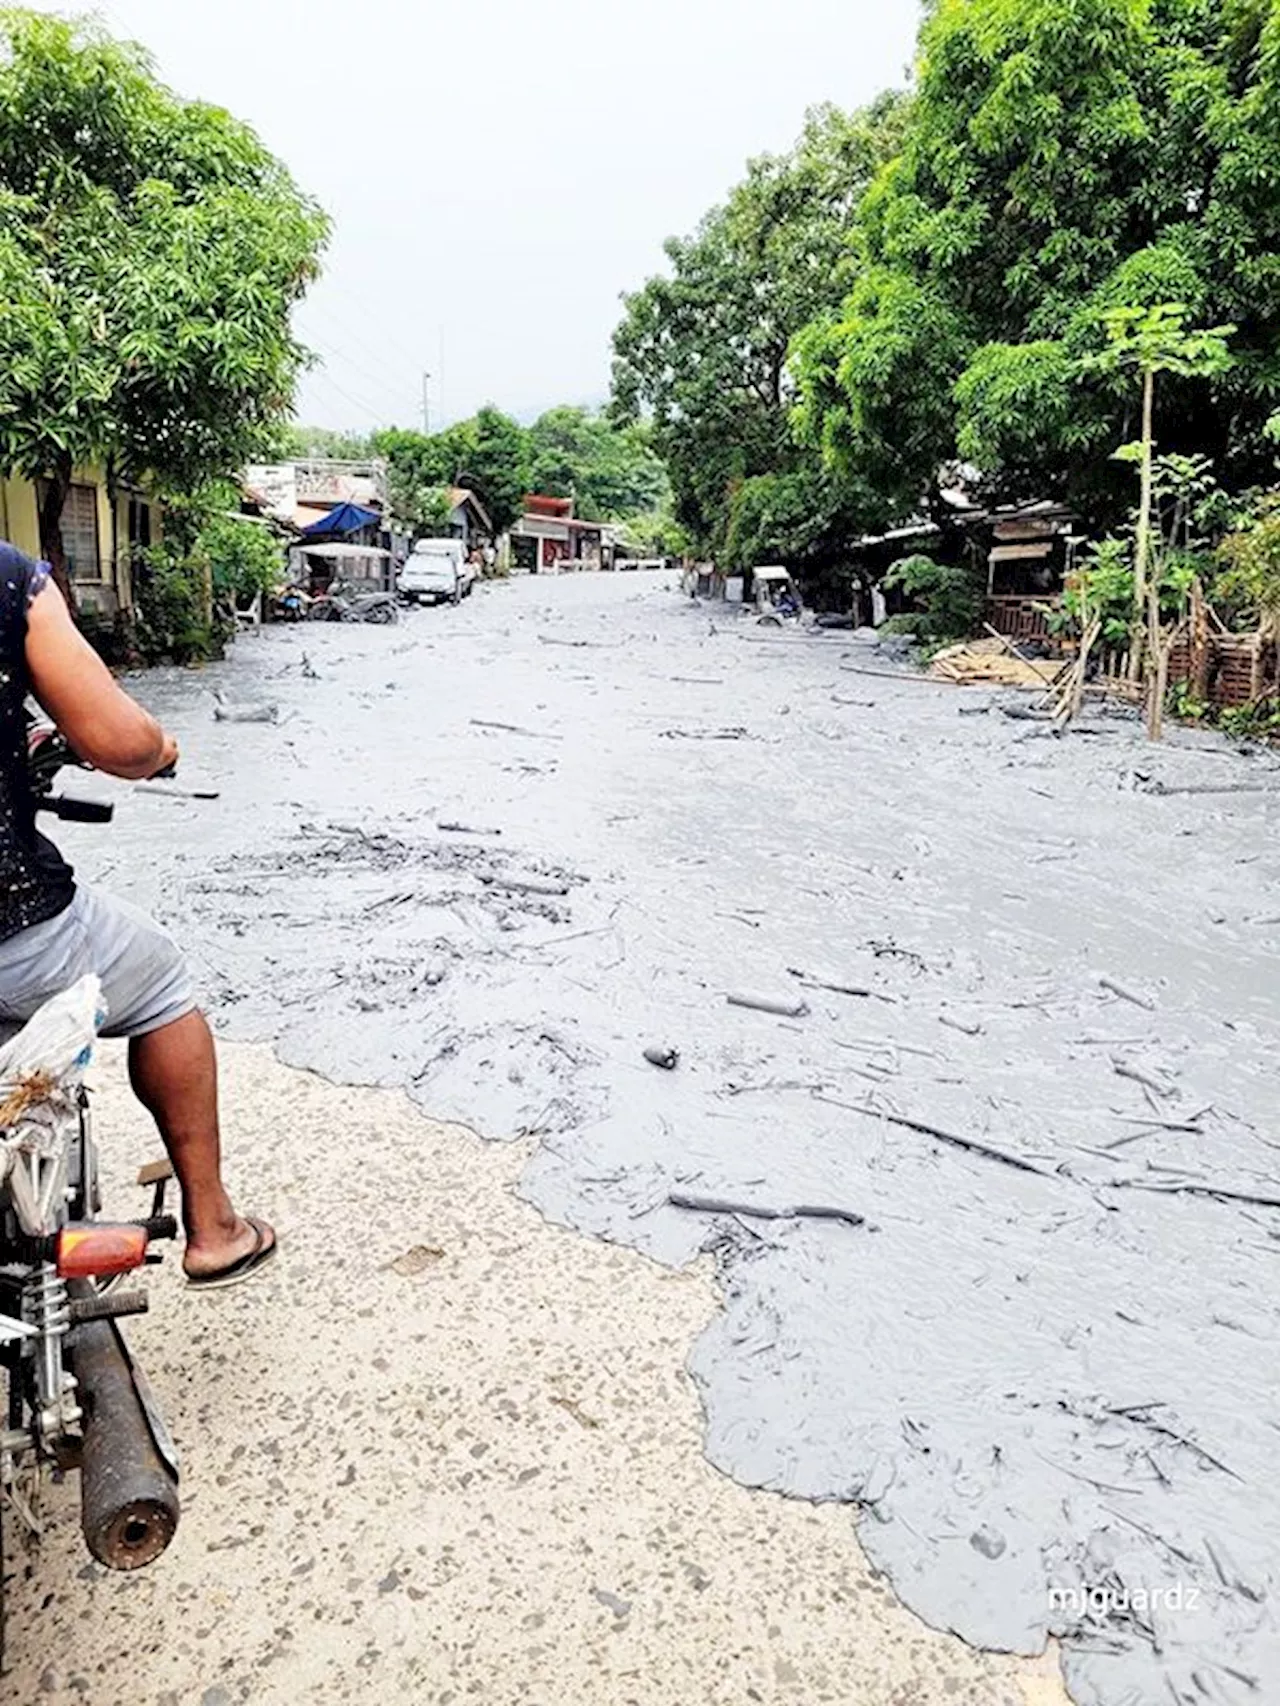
point(103, 536)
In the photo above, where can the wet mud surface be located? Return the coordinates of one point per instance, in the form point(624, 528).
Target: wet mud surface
point(496, 853)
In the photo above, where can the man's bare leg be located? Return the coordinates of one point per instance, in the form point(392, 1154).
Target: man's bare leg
point(174, 1072)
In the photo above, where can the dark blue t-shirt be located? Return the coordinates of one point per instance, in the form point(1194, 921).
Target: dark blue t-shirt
point(36, 883)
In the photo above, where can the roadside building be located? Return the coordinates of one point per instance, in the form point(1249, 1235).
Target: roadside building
point(301, 493)
point(331, 510)
point(550, 539)
point(1030, 550)
point(105, 532)
point(468, 518)
point(1022, 552)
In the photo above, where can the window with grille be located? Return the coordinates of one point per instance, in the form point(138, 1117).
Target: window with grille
point(80, 534)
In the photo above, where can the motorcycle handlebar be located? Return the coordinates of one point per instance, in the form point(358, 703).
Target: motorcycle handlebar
point(77, 811)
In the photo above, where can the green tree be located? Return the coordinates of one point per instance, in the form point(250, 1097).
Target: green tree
point(702, 352)
point(421, 509)
point(435, 459)
point(656, 535)
point(1061, 161)
point(423, 467)
point(1148, 342)
point(210, 557)
point(804, 517)
point(610, 472)
point(151, 252)
point(950, 596)
point(497, 466)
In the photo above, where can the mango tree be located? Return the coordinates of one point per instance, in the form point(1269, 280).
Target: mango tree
point(1061, 159)
point(151, 252)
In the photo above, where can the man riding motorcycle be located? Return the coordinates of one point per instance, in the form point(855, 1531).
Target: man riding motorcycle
point(54, 930)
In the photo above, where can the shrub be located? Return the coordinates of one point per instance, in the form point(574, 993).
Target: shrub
point(951, 596)
point(244, 556)
point(173, 621)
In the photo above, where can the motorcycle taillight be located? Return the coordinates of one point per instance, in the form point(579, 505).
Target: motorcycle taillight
point(94, 1251)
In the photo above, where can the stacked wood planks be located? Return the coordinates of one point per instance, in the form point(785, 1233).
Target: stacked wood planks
point(990, 662)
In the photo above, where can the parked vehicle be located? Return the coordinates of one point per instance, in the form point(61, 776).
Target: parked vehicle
point(437, 573)
point(342, 603)
point(75, 1398)
point(777, 596)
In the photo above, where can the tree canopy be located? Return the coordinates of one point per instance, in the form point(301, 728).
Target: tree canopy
point(151, 251)
point(610, 472)
point(1064, 158)
point(702, 350)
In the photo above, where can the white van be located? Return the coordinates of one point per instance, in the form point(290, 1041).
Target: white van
point(436, 573)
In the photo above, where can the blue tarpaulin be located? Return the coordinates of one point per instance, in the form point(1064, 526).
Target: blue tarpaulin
point(347, 518)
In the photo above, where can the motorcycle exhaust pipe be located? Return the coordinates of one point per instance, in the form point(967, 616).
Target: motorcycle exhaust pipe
point(129, 1468)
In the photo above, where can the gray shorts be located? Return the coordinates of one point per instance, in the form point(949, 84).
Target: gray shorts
point(145, 979)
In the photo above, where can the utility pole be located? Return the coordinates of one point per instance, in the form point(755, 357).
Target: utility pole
point(426, 404)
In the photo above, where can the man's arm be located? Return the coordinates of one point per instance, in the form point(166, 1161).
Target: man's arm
point(103, 724)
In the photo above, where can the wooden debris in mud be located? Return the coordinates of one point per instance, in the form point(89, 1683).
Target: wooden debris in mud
point(512, 729)
point(954, 1140)
point(1070, 693)
point(851, 989)
point(992, 663)
point(780, 1007)
point(1168, 788)
point(735, 733)
point(1125, 992)
point(1149, 1080)
point(755, 1211)
point(967, 1027)
point(176, 793)
point(549, 886)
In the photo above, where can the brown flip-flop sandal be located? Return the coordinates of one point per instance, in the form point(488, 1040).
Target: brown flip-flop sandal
point(245, 1267)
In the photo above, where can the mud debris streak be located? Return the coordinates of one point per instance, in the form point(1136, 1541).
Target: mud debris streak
point(1041, 1383)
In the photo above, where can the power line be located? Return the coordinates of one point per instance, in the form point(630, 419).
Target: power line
point(371, 358)
point(365, 313)
point(332, 351)
point(365, 408)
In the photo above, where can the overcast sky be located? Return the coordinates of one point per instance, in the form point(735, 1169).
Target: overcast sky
point(498, 173)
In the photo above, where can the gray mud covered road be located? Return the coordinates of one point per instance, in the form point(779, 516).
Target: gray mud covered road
point(1045, 1365)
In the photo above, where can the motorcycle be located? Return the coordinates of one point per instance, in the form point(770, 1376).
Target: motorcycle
point(76, 1401)
point(343, 604)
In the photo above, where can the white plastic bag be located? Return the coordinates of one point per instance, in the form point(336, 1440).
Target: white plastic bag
point(57, 1042)
point(41, 1071)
